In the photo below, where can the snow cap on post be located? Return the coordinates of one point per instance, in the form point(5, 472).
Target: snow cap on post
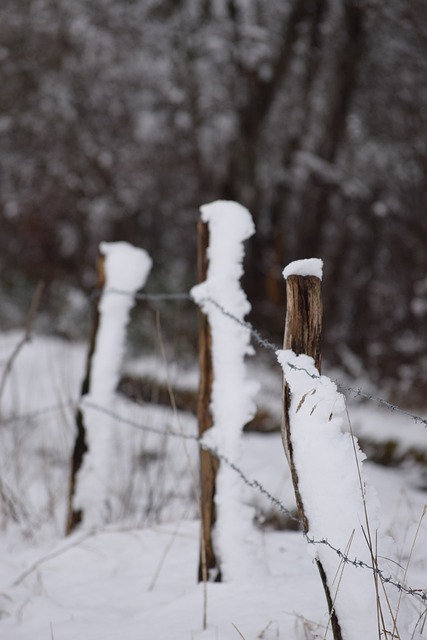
point(230, 224)
point(308, 267)
point(126, 267)
point(221, 210)
point(126, 270)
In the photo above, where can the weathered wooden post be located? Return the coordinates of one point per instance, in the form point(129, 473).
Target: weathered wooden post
point(74, 516)
point(208, 463)
point(303, 330)
point(226, 401)
point(123, 269)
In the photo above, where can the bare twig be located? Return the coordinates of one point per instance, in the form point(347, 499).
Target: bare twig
point(52, 555)
point(190, 466)
point(35, 302)
point(166, 551)
point(91, 533)
point(405, 575)
point(238, 631)
point(420, 623)
point(368, 537)
point(338, 577)
point(264, 631)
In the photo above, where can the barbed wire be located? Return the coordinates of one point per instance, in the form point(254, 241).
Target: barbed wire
point(421, 594)
point(31, 415)
point(156, 297)
point(259, 338)
point(271, 346)
point(266, 344)
point(358, 393)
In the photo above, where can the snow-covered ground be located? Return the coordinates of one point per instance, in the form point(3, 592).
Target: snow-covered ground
point(135, 578)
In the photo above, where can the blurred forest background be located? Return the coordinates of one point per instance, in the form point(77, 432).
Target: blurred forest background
point(119, 118)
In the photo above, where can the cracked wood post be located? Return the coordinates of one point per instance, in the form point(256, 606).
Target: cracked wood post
point(208, 562)
point(303, 330)
point(74, 516)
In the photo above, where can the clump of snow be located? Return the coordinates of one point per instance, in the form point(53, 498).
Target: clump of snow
point(126, 271)
point(232, 405)
point(328, 462)
point(308, 267)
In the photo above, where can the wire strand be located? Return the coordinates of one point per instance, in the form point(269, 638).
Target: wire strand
point(271, 346)
point(421, 594)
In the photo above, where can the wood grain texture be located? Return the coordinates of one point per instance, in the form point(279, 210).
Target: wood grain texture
point(208, 563)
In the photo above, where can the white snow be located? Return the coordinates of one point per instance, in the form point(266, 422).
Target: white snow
point(333, 488)
point(232, 404)
point(126, 270)
point(308, 267)
point(138, 579)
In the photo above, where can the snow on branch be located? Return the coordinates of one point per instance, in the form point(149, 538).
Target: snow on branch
point(232, 404)
point(126, 268)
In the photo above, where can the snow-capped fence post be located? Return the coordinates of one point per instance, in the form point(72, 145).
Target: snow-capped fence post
point(339, 511)
point(208, 463)
point(303, 329)
point(122, 270)
point(80, 447)
point(226, 395)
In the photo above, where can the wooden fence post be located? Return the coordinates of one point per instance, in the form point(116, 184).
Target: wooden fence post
point(208, 563)
point(302, 335)
point(74, 516)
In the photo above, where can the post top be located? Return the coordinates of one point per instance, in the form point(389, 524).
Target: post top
point(308, 267)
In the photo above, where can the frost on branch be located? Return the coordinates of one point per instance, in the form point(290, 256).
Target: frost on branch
point(328, 461)
point(126, 270)
point(232, 404)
